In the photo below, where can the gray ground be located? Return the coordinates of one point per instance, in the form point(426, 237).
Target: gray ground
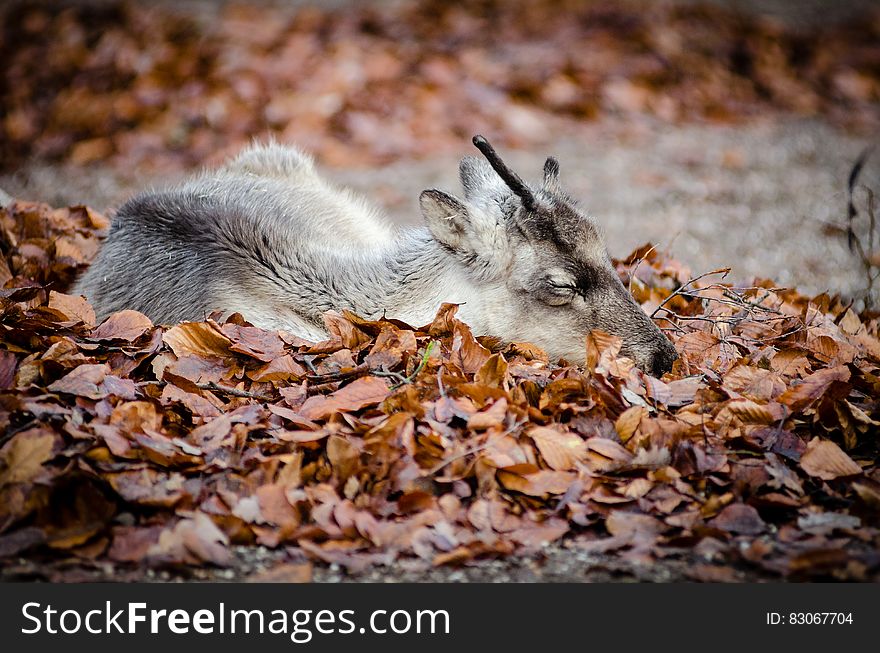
point(556, 563)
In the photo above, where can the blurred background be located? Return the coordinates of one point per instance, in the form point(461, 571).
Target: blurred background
point(722, 131)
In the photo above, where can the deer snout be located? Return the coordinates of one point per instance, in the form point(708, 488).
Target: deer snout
point(662, 359)
point(643, 341)
point(654, 356)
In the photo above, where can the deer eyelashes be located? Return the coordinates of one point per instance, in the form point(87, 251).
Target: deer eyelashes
point(555, 288)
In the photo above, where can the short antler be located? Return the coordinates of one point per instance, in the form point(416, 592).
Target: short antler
point(517, 185)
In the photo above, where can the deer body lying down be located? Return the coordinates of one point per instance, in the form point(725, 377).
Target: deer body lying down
point(266, 236)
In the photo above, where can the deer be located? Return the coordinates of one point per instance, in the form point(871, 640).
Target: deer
point(267, 236)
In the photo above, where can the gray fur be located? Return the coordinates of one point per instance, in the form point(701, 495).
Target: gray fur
point(267, 236)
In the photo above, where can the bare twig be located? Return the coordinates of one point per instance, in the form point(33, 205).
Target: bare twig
point(467, 452)
point(867, 256)
point(425, 356)
point(683, 288)
point(736, 309)
point(331, 377)
point(632, 273)
point(234, 392)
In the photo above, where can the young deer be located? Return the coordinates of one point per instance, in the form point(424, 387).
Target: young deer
point(268, 237)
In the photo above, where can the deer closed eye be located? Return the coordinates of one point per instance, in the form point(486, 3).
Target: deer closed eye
point(556, 290)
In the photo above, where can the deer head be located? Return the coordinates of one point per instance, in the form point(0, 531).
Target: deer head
point(543, 263)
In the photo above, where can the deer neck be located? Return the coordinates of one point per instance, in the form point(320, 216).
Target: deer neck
point(411, 279)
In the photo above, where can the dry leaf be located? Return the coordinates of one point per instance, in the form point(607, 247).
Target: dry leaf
point(197, 339)
point(354, 396)
point(561, 451)
point(124, 325)
point(22, 457)
point(825, 460)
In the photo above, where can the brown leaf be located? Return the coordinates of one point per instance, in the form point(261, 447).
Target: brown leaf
point(22, 458)
point(705, 573)
point(248, 510)
point(148, 487)
point(825, 460)
point(561, 451)
point(283, 368)
point(869, 492)
point(628, 524)
point(78, 509)
point(628, 421)
point(358, 394)
point(389, 348)
point(606, 455)
point(275, 506)
point(199, 406)
point(823, 523)
point(535, 535)
point(741, 519)
point(345, 330)
point(132, 544)
point(197, 537)
point(136, 416)
point(750, 412)
point(76, 309)
point(753, 383)
point(491, 417)
point(256, 343)
point(197, 339)
point(124, 325)
point(83, 381)
point(343, 456)
point(8, 364)
point(537, 484)
point(20, 540)
point(283, 573)
point(811, 388)
point(790, 363)
point(493, 372)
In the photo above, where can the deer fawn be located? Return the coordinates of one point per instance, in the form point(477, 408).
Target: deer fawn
point(268, 237)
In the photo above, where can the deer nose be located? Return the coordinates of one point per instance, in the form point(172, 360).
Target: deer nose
point(663, 359)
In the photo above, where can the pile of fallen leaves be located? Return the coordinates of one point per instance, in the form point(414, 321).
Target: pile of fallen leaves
point(163, 86)
point(132, 444)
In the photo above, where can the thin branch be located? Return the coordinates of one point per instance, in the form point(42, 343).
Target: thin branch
point(632, 273)
point(331, 377)
point(467, 452)
point(234, 392)
point(425, 356)
point(683, 288)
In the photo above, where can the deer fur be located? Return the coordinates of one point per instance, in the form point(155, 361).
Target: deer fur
point(268, 237)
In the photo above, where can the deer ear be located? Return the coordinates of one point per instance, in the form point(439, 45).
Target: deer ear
point(551, 173)
point(479, 180)
point(446, 217)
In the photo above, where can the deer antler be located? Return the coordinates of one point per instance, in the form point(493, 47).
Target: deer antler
point(513, 181)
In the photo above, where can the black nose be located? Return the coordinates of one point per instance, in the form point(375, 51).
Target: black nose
point(663, 360)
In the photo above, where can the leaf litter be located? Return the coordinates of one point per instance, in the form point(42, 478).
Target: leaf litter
point(143, 446)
